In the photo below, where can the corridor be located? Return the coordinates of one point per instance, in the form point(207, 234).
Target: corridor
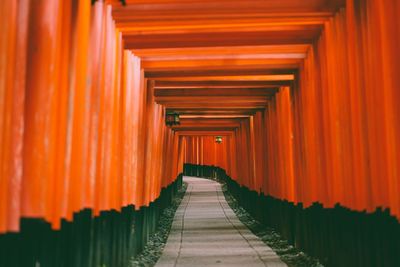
point(206, 232)
point(106, 104)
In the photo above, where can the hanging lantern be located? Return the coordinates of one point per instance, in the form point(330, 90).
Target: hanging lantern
point(172, 118)
point(218, 139)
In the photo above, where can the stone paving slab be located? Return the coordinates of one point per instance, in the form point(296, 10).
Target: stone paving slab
point(206, 232)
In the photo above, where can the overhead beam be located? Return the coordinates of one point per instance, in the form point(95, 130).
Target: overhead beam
point(204, 133)
point(290, 63)
point(148, 54)
point(215, 116)
point(162, 9)
point(173, 27)
point(219, 84)
point(205, 128)
point(154, 74)
point(210, 121)
point(211, 92)
point(216, 105)
point(283, 77)
point(216, 111)
point(212, 39)
point(222, 100)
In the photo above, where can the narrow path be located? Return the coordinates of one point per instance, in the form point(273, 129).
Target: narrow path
point(206, 232)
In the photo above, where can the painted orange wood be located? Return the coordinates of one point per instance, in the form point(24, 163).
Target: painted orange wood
point(333, 138)
point(13, 46)
point(72, 132)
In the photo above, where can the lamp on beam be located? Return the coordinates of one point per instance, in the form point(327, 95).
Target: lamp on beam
point(172, 118)
point(218, 139)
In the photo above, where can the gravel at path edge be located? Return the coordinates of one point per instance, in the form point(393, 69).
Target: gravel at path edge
point(153, 250)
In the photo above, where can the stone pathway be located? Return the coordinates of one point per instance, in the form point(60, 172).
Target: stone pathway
point(206, 232)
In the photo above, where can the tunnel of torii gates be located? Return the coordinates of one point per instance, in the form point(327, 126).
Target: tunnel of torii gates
point(303, 93)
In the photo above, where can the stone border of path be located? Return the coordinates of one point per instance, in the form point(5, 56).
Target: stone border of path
point(288, 254)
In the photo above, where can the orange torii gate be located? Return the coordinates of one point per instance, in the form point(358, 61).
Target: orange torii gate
point(303, 93)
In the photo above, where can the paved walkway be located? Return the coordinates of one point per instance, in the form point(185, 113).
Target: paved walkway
point(206, 232)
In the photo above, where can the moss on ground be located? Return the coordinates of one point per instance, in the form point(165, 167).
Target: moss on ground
point(289, 254)
point(154, 247)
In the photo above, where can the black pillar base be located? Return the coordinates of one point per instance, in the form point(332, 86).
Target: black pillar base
point(336, 236)
point(110, 239)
